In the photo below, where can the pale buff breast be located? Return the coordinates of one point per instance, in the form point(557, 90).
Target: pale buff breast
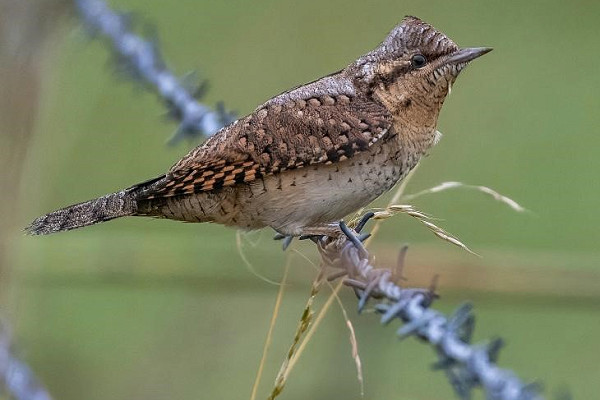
point(305, 197)
point(316, 195)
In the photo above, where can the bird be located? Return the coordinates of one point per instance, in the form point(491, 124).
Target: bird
point(309, 156)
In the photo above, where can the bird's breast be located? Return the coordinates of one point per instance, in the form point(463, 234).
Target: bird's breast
point(321, 193)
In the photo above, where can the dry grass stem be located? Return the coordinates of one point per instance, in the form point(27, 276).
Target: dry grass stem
point(355, 355)
point(289, 363)
point(353, 342)
point(466, 365)
point(459, 185)
point(307, 326)
point(314, 325)
point(240, 248)
point(268, 339)
point(424, 219)
point(301, 330)
point(306, 329)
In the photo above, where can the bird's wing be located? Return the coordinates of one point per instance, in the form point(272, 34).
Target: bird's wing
point(275, 138)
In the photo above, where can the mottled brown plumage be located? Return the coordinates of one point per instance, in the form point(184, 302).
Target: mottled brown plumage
point(277, 138)
point(309, 156)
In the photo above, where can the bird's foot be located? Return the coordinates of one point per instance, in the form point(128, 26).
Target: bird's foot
point(331, 231)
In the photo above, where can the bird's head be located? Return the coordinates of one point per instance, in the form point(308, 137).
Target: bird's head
point(412, 71)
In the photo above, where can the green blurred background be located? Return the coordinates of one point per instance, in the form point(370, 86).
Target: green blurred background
point(156, 309)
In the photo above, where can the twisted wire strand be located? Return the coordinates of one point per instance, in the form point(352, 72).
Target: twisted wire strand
point(15, 376)
point(142, 60)
point(467, 365)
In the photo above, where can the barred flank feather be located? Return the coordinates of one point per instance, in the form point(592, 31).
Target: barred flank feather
point(111, 206)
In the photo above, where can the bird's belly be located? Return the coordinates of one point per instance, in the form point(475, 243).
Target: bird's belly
point(318, 194)
point(294, 199)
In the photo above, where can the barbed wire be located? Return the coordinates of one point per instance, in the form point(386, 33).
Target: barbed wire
point(466, 365)
point(16, 378)
point(141, 59)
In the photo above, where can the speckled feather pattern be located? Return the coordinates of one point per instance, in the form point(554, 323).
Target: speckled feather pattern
point(307, 157)
point(295, 199)
point(278, 138)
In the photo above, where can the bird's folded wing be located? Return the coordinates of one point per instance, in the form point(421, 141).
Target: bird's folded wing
point(276, 138)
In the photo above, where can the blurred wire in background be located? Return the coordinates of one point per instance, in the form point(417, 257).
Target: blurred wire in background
point(26, 27)
point(140, 58)
point(17, 378)
point(24, 31)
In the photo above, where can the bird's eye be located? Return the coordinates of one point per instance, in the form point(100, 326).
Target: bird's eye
point(418, 61)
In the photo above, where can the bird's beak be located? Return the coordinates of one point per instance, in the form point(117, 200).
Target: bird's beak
point(468, 54)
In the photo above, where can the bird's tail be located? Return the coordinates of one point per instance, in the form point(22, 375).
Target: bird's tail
point(111, 206)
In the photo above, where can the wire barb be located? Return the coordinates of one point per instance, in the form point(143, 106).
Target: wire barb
point(466, 365)
point(140, 59)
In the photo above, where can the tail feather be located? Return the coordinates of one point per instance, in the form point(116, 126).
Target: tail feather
point(111, 206)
